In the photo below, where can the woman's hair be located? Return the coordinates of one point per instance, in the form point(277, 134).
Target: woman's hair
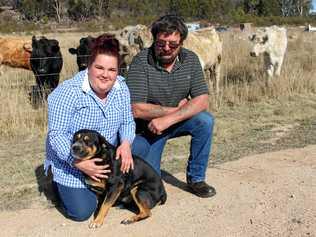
point(169, 24)
point(105, 44)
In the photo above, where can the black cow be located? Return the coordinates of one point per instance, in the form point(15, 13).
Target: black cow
point(83, 52)
point(46, 63)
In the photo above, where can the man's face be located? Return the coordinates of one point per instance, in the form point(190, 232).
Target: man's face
point(167, 47)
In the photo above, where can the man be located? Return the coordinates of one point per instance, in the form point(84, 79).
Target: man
point(161, 80)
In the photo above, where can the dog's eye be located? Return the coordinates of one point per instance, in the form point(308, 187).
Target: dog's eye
point(86, 138)
point(78, 136)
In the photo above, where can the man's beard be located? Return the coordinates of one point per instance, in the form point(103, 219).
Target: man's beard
point(166, 60)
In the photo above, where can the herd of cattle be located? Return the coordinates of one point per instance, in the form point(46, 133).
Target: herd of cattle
point(44, 58)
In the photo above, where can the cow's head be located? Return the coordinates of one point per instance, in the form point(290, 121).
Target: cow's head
point(140, 36)
point(45, 53)
point(260, 43)
point(83, 52)
point(127, 54)
point(46, 63)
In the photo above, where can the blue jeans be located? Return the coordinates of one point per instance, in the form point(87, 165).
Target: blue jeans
point(78, 203)
point(200, 127)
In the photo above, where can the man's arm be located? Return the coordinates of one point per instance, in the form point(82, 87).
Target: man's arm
point(186, 111)
point(148, 111)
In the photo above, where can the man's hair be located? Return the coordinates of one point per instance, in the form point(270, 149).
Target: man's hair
point(105, 44)
point(169, 24)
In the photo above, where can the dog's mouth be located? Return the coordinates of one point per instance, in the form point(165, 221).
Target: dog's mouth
point(82, 152)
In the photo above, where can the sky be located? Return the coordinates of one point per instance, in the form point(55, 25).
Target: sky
point(314, 5)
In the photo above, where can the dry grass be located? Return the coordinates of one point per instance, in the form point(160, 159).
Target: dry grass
point(250, 118)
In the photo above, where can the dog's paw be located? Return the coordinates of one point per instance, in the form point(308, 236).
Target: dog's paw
point(95, 224)
point(127, 221)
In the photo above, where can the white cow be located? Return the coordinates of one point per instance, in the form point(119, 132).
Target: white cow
point(208, 47)
point(272, 41)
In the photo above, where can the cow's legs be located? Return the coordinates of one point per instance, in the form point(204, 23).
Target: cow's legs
point(278, 66)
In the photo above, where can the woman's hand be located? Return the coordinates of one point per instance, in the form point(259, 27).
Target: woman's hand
point(90, 168)
point(124, 152)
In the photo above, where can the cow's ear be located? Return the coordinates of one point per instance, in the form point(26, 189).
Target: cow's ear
point(28, 47)
point(73, 50)
point(265, 39)
point(33, 40)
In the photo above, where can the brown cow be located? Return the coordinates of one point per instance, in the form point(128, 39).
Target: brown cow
point(15, 52)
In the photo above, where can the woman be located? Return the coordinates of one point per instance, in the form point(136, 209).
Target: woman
point(97, 99)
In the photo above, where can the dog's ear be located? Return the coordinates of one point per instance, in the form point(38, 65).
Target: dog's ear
point(107, 149)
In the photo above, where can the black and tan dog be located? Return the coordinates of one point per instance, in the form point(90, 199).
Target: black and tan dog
point(141, 185)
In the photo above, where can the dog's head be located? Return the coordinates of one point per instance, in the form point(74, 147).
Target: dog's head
point(87, 144)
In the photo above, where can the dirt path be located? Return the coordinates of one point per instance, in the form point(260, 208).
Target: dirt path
point(272, 194)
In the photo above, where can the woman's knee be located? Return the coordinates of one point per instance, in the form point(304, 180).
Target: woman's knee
point(80, 214)
point(78, 203)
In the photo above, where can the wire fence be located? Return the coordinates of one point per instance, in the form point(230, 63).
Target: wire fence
point(123, 70)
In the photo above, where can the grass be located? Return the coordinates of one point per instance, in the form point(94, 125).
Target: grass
point(251, 118)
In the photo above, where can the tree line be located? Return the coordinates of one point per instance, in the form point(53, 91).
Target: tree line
point(211, 10)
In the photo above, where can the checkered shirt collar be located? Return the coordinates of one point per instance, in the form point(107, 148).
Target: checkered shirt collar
point(86, 85)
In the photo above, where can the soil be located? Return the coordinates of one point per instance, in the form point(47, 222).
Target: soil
point(270, 194)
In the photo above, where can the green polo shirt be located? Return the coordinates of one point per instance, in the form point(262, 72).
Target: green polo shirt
point(148, 82)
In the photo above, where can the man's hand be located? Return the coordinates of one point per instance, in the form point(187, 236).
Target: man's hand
point(124, 152)
point(158, 125)
point(89, 167)
point(182, 103)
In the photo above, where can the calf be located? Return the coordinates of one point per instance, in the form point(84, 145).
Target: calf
point(46, 63)
point(83, 52)
point(15, 52)
point(272, 42)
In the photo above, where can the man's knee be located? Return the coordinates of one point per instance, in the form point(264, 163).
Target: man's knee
point(140, 147)
point(204, 121)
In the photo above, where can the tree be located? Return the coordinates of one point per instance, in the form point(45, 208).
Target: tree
point(57, 6)
point(295, 7)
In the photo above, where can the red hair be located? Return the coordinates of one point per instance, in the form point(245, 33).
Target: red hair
point(105, 44)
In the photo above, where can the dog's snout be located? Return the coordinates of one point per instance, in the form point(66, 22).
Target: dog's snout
point(252, 54)
point(76, 148)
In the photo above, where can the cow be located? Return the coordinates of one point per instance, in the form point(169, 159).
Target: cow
point(132, 40)
point(272, 42)
point(139, 35)
point(15, 52)
point(204, 42)
point(46, 63)
point(83, 52)
point(208, 47)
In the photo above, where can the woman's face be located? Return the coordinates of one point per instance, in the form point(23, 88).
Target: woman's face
point(102, 74)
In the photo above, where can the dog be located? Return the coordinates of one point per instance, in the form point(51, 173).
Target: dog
point(142, 185)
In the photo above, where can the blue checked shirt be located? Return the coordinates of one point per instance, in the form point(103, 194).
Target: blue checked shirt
point(72, 106)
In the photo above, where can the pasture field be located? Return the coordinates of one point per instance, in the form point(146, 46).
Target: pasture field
point(252, 116)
